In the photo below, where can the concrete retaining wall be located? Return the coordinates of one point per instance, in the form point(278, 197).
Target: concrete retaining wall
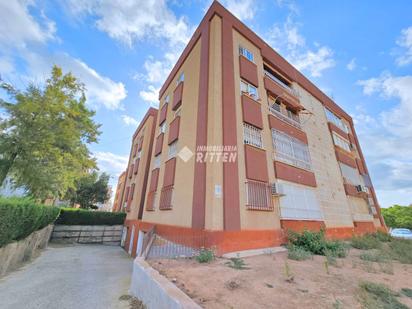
point(88, 234)
point(155, 291)
point(15, 254)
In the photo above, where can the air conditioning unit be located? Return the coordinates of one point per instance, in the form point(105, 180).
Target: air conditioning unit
point(361, 188)
point(277, 189)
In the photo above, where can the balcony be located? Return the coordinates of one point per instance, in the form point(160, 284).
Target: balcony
point(282, 84)
point(277, 156)
point(278, 114)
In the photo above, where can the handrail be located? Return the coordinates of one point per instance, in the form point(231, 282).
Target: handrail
point(285, 118)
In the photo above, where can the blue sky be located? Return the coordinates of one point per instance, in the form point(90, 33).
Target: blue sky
point(358, 52)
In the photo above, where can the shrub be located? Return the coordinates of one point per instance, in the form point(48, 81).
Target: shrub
point(374, 295)
point(205, 256)
point(237, 263)
point(382, 236)
point(298, 254)
point(19, 217)
point(74, 216)
point(365, 242)
point(316, 243)
point(407, 292)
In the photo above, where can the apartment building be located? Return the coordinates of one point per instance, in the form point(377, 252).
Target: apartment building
point(117, 202)
point(246, 147)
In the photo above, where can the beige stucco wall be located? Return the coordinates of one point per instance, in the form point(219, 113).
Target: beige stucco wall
point(330, 189)
point(181, 213)
point(214, 170)
point(252, 219)
point(144, 161)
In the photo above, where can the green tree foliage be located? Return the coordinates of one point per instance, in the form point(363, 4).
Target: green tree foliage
point(90, 189)
point(398, 216)
point(45, 135)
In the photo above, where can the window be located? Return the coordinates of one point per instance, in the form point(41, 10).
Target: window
point(299, 203)
point(156, 162)
point(163, 127)
point(258, 195)
point(139, 154)
point(341, 142)
point(290, 150)
point(172, 149)
point(246, 53)
point(283, 113)
point(252, 136)
point(350, 174)
point(178, 112)
point(249, 89)
point(336, 120)
point(181, 78)
point(167, 99)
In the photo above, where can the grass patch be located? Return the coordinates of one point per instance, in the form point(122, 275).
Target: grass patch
point(237, 263)
point(316, 243)
point(366, 242)
point(298, 254)
point(205, 256)
point(400, 250)
point(373, 256)
point(374, 295)
point(407, 292)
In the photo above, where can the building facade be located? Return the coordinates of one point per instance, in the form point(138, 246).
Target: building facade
point(117, 202)
point(246, 147)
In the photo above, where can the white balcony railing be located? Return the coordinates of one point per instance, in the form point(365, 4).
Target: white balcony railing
point(282, 84)
point(291, 161)
point(285, 118)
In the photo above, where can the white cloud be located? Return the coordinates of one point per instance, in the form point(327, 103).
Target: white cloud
point(101, 90)
point(129, 121)
point(242, 9)
point(150, 95)
point(18, 28)
point(130, 21)
point(111, 163)
point(405, 41)
point(386, 139)
point(287, 40)
point(351, 65)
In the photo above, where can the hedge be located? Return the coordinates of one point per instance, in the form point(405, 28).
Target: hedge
point(19, 217)
point(75, 216)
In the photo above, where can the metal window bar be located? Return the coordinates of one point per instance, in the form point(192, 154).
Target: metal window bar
point(259, 195)
point(166, 198)
point(252, 136)
point(290, 150)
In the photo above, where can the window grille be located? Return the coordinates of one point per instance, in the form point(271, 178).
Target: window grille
point(252, 135)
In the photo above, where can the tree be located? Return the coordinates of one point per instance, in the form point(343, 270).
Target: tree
point(45, 136)
point(398, 216)
point(90, 190)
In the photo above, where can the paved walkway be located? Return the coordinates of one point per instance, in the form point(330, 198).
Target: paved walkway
point(70, 276)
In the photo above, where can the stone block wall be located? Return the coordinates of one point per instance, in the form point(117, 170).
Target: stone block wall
point(88, 234)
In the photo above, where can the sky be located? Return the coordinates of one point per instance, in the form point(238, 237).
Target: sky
point(358, 52)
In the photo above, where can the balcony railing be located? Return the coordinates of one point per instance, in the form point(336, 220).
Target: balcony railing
point(285, 118)
point(277, 156)
point(282, 84)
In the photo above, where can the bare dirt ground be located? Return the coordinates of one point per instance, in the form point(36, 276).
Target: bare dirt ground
point(264, 284)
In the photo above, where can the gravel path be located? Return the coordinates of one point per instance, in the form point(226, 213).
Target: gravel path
point(70, 276)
